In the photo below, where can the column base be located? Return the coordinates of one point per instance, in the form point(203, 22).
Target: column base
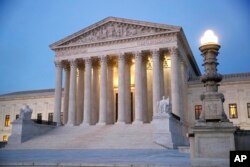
point(101, 123)
point(69, 125)
point(58, 124)
point(137, 122)
point(120, 123)
point(84, 124)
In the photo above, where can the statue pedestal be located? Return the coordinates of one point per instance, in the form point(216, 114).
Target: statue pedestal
point(23, 130)
point(211, 143)
point(19, 134)
point(168, 130)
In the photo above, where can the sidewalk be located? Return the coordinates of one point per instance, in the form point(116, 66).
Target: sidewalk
point(94, 157)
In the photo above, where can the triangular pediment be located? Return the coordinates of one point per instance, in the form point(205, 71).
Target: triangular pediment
point(112, 29)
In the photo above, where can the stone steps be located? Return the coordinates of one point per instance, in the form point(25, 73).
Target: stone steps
point(94, 137)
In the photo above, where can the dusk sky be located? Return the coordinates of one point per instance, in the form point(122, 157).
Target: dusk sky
point(28, 27)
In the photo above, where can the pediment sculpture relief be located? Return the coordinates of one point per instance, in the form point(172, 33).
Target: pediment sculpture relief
point(113, 30)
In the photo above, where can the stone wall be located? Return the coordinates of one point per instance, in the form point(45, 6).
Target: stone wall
point(23, 130)
point(40, 101)
point(242, 140)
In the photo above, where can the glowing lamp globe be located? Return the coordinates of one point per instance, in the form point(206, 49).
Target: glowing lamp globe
point(209, 38)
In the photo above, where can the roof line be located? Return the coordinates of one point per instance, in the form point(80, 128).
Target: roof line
point(28, 92)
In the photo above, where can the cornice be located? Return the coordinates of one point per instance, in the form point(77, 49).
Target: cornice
point(183, 41)
point(140, 42)
point(227, 78)
point(115, 41)
point(27, 96)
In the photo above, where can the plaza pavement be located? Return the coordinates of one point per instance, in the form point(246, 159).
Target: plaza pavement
point(95, 157)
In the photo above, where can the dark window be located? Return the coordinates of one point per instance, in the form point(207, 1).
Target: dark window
point(39, 118)
point(7, 121)
point(17, 116)
point(233, 111)
point(50, 117)
point(197, 109)
point(248, 110)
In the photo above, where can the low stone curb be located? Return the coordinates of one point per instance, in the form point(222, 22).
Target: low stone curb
point(44, 164)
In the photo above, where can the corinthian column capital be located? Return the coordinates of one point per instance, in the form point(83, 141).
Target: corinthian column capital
point(137, 54)
point(103, 59)
point(73, 63)
point(66, 66)
point(173, 51)
point(58, 63)
point(121, 57)
point(155, 53)
point(88, 61)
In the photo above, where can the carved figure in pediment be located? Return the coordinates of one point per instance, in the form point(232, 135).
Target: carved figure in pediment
point(113, 30)
point(129, 31)
point(117, 30)
point(110, 29)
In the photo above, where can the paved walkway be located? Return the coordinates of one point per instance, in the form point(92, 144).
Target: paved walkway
point(94, 157)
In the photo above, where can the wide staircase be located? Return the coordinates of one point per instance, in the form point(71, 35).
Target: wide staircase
point(118, 136)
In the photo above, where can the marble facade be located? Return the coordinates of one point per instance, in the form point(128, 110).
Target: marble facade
point(121, 58)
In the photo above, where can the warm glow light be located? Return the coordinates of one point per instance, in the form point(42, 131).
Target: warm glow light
point(209, 38)
point(169, 62)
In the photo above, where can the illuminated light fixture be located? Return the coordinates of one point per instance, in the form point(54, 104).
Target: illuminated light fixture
point(209, 38)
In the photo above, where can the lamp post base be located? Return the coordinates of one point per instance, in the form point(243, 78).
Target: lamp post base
point(211, 143)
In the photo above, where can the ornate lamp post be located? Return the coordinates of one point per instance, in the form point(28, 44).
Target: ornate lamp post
point(212, 100)
point(212, 136)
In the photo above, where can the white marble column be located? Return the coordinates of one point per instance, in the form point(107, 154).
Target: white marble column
point(184, 92)
point(175, 81)
point(66, 94)
point(80, 94)
point(110, 91)
point(72, 94)
point(150, 89)
point(103, 92)
point(156, 79)
point(166, 71)
point(162, 89)
point(144, 90)
point(138, 88)
point(87, 92)
point(58, 93)
point(128, 106)
point(121, 89)
point(95, 93)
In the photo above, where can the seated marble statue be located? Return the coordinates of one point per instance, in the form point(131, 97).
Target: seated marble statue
point(25, 113)
point(164, 105)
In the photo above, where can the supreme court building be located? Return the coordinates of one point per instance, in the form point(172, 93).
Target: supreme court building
point(116, 71)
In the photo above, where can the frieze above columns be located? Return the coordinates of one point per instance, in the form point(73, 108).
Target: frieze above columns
point(135, 42)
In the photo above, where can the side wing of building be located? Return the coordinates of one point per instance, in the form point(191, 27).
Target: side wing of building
point(236, 89)
point(40, 101)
